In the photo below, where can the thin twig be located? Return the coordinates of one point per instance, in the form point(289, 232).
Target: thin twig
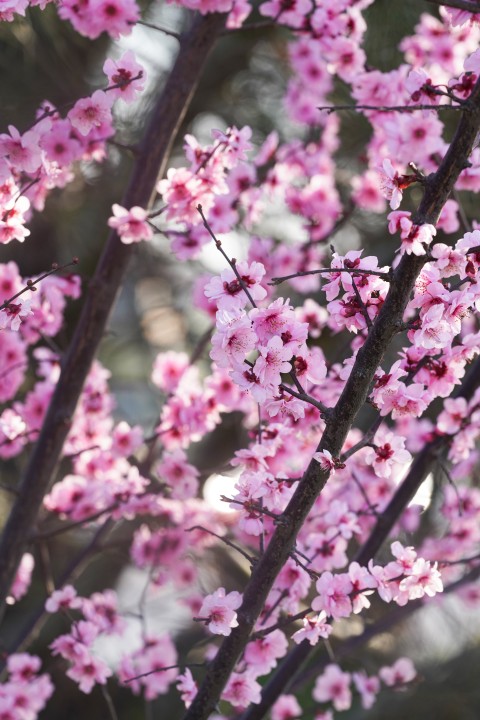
point(388, 108)
point(231, 263)
point(165, 31)
point(331, 271)
point(472, 7)
point(225, 540)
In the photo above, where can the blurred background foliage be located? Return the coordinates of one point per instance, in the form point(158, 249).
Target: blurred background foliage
point(42, 58)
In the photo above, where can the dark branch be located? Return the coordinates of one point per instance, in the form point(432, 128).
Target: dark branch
point(390, 318)
point(153, 155)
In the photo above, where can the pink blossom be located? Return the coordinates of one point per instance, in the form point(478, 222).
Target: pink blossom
point(23, 151)
point(286, 708)
point(423, 579)
point(362, 582)
point(272, 362)
point(168, 369)
point(90, 113)
point(334, 686)
point(472, 63)
point(262, 654)
point(333, 595)
point(366, 193)
point(368, 687)
point(347, 59)
point(392, 184)
point(218, 610)
point(131, 225)
point(12, 223)
point(236, 143)
point(404, 400)
point(313, 629)
point(127, 74)
point(229, 291)
point(61, 144)
point(417, 238)
point(88, 670)
point(293, 15)
point(101, 609)
point(182, 191)
point(125, 439)
point(22, 579)
point(233, 340)
point(389, 449)
point(64, 599)
point(153, 661)
point(187, 687)
point(12, 314)
point(401, 672)
point(452, 416)
point(179, 474)
point(241, 690)
point(326, 461)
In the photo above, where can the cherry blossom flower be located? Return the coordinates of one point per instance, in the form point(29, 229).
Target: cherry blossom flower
point(64, 599)
point(218, 610)
point(368, 687)
point(88, 671)
point(131, 225)
point(286, 708)
point(327, 462)
point(393, 184)
point(400, 673)
point(241, 690)
point(333, 595)
point(127, 74)
point(423, 579)
point(333, 686)
point(23, 151)
point(262, 654)
point(229, 291)
point(168, 369)
point(313, 629)
point(22, 578)
point(187, 687)
point(233, 340)
point(12, 223)
point(90, 113)
point(389, 449)
point(11, 315)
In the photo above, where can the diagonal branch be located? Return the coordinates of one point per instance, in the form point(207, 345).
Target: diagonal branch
point(437, 190)
point(154, 150)
point(423, 464)
point(473, 7)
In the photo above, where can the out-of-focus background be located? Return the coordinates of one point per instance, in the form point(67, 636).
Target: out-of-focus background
point(42, 58)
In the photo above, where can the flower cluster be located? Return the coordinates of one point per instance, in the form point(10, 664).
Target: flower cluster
point(284, 364)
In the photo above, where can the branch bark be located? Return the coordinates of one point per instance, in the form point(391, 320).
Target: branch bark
point(389, 321)
point(473, 7)
point(423, 464)
point(166, 119)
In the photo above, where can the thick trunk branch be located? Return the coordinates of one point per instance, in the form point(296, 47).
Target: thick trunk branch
point(388, 323)
point(151, 162)
point(424, 463)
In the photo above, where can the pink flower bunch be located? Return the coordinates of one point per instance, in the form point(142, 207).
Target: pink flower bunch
point(218, 611)
point(25, 692)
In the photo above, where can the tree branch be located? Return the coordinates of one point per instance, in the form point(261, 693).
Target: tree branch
point(420, 468)
point(472, 7)
point(153, 155)
point(437, 189)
